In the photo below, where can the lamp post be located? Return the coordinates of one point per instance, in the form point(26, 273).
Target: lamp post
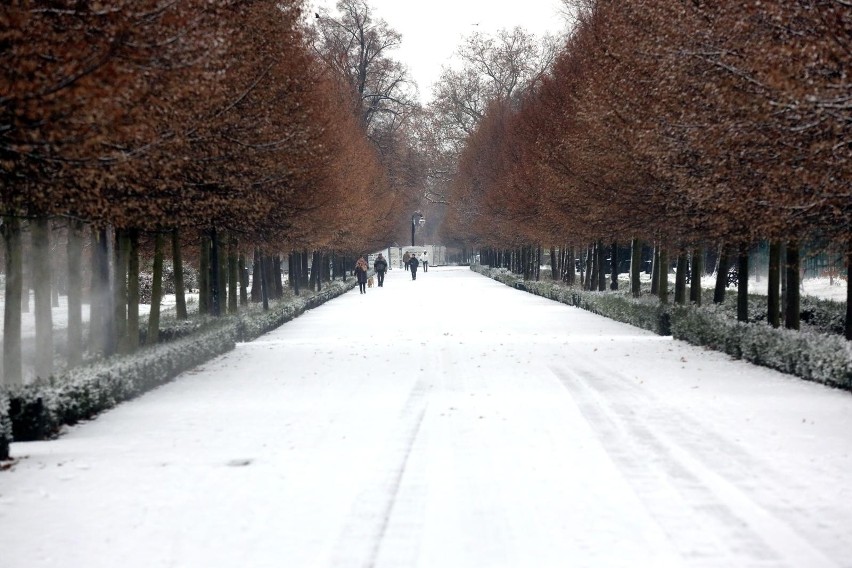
point(415, 217)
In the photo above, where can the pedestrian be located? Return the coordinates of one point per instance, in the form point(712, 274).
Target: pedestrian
point(361, 269)
point(405, 258)
point(380, 265)
point(413, 263)
point(425, 260)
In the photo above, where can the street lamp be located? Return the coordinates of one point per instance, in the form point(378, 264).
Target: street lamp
point(416, 217)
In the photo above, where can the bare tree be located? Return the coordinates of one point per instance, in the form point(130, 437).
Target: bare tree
point(356, 46)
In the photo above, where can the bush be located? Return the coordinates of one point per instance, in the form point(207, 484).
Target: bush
point(38, 411)
point(820, 357)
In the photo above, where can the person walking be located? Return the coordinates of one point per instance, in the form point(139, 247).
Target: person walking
point(425, 260)
point(405, 258)
point(380, 265)
point(361, 269)
point(413, 263)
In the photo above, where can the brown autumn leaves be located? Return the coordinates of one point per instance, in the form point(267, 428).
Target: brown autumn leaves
point(687, 123)
point(182, 115)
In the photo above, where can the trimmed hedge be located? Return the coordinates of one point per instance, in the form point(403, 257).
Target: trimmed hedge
point(819, 357)
point(38, 411)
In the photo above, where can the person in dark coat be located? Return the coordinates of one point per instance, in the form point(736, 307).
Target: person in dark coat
point(405, 258)
point(413, 263)
point(380, 265)
point(361, 269)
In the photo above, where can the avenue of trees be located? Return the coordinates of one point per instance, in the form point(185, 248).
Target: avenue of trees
point(211, 133)
point(693, 129)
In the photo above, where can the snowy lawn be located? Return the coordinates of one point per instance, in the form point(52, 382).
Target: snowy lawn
point(447, 422)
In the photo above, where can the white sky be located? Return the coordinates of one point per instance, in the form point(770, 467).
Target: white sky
point(418, 426)
point(431, 31)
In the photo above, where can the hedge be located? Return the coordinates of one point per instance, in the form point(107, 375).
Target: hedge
point(38, 411)
point(821, 357)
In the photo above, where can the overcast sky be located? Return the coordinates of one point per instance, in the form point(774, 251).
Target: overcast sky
point(432, 31)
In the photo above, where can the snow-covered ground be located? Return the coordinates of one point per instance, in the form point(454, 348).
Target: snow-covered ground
point(447, 422)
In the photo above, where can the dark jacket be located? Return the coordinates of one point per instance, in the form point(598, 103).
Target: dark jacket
point(413, 263)
point(361, 272)
point(380, 265)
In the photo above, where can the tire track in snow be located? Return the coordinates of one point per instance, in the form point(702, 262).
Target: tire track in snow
point(710, 519)
point(360, 541)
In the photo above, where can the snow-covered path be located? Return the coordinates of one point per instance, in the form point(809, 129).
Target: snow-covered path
point(447, 422)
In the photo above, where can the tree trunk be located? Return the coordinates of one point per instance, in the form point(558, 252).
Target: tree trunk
point(241, 261)
point(793, 293)
point(256, 278)
point(554, 268)
point(655, 272)
point(663, 285)
point(848, 327)
point(12, 361)
point(43, 301)
point(680, 278)
point(264, 289)
point(697, 273)
point(215, 274)
point(133, 292)
point(177, 265)
point(74, 341)
point(100, 310)
point(613, 285)
point(635, 267)
point(742, 284)
point(205, 305)
point(601, 263)
point(119, 278)
point(721, 275)
point(782, 269)
point(774, 280)
point(232, 273)
point(153, 335)
point(223, 253)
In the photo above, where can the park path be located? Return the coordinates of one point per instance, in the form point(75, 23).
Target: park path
point(447, 422)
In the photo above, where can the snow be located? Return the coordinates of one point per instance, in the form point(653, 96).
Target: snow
point(446, 422)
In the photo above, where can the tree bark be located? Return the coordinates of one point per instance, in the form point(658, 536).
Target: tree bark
point(257, 277)
point(133, 292)
point(848, 327)
point(153, 335)
point(791, 320)
point(663, 277)
point(119, 278)
point(12, 360)
point(74, 340)
point(774, 280)
point(215, 273)
point(264, 289)
point(680, 278)
point(205, 305)
point(697, 272)
point(635, 267)
point(232, 273)
point(742, 284)
point(601, 264)
point(721, 275)
point(554, 268)
point(101, 332)
point(655, 271)
point(613, 285)
point(177, 265)
point(43, 300)
point(223, 252)
point(241, 261)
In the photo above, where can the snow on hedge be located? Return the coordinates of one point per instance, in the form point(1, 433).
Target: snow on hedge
point(38, 411)
point(821, 357)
